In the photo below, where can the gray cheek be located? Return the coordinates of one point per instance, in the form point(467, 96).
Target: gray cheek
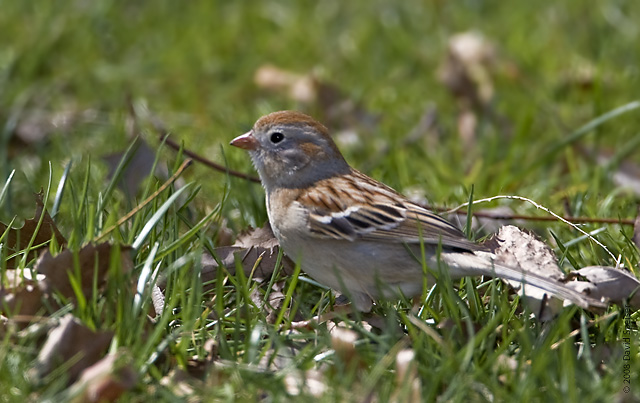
point(294, 160)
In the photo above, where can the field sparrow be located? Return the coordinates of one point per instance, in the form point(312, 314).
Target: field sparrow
point(353, 233)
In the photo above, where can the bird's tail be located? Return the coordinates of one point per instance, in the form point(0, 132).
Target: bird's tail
point(470, 264)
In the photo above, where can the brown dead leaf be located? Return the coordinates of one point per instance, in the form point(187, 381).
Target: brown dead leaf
point(182, 385)
point(37, 124)
point(331, 105)
point(625, 174)
point(253, 246)
point(223, 234)
point(104, 381)
point(197, 367)
point(227, 255)
point(582, 74)
point(92, 260)
point(467, 126)
point(466, 70)
point(21, 303)
point(310, 382)
point(628, 176)
point(518, 248)
point(343, 341)
point(636, 230)
point(23, 299)
point(281, 358)
point(261, 237)
point(71, 343)
point(408, 385)
point(138, 169)
point(610, 283)
point(157, 299)
point(258, 256)
point(273, 302)
point(506, 366)
point(17, 239)
point(299, 87)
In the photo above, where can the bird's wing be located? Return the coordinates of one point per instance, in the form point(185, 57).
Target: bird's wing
point(355, 207)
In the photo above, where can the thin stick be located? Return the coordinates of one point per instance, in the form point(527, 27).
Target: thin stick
point(148, 200)
point(541, 207)
point(575, 220)
point(208, 162)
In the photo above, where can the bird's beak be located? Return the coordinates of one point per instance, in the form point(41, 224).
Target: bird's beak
point(247, 141)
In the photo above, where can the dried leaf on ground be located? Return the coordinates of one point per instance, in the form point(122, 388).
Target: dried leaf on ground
point(35, 125)
point(610, 283)
point(299, 87)
point(93, 260)
point(71, 343)
point(223, 234)
point(467, 71)
point(22, 302)
point(636, 230)
point(343, 341)
point(628, 176)
point(408, 384)
point(23, 299)
point(517, 248)
point(157, 299)
point(310, 382)
point(104, 381)
point(276, 359)
point(256, 246)
point(581, 74)
point(17, 239)
point(507, 367)
point(273, 302)
point(261, 237)
point(265, 258)
point(335, 108)
point(182, 384)
point(625, 174)
point(138, 169)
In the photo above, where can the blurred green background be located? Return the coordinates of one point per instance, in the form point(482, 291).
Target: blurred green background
point(431, 97)
point(70, 71)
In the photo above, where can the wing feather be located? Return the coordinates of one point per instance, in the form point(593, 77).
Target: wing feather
point(375, 212)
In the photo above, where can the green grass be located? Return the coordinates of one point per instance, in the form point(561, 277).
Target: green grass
point(191, 66)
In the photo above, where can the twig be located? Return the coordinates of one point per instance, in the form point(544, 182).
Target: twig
point(165, 137)
point(575, 220)
point(541, 207)
point(148, 200)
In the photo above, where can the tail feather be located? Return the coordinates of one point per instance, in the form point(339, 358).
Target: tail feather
point(469, 264)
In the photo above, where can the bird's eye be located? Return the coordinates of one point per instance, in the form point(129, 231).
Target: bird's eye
point(276, 137)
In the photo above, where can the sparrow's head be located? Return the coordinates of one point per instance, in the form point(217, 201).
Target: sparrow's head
point(292, 150)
